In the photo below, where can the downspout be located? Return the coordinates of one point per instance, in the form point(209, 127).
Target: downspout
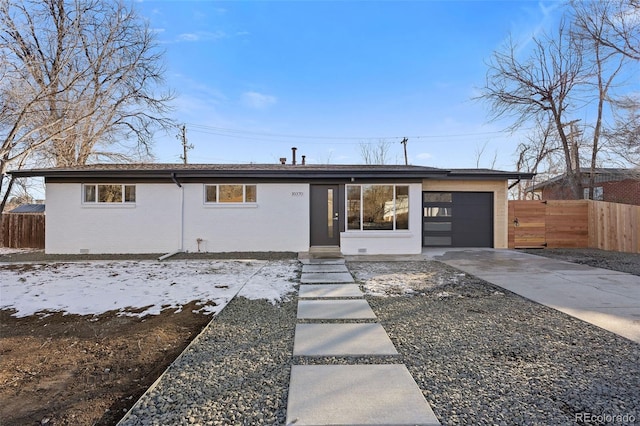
point(175, 180)
point(515, 183)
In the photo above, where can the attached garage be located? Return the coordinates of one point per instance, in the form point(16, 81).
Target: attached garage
point(457, 219)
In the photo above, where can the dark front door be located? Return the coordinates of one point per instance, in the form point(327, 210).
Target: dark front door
point(325, 215)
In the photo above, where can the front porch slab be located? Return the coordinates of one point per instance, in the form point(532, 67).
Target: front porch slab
point(329, 290)
point(342, 340)
point(335, 309)
point(356, 395)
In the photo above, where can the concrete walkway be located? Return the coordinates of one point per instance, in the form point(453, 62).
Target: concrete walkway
point(339, 394)
point(605, 298)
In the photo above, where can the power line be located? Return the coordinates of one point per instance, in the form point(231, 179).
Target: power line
point(247, 134)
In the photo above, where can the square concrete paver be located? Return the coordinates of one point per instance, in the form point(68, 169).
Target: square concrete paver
point(329, 290)
point(323, 268)
point(342, 340)
point(356, 395)
point(326, 277)
point(335, 309)
point(322, 261)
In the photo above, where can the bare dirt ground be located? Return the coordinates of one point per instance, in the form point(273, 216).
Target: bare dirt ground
point(84, 370)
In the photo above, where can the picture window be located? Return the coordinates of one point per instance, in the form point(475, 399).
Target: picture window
point(377, 207)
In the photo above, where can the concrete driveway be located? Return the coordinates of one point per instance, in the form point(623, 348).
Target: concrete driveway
point(608, 299)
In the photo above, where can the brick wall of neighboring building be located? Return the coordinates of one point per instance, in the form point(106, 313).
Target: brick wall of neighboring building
point(557, 192)
point(625, 191)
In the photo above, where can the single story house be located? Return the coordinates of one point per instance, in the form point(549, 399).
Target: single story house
point(610, 184)
point(360, 209)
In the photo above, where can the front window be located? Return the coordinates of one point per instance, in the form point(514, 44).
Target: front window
point(377, 207)
point(230, 194)
point(108, 193)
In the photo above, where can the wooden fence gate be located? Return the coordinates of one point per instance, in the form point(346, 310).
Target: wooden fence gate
point(552, 224)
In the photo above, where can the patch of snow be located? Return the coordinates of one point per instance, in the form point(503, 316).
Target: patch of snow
point(9, 250)
point(139, 288)
point(385, 279)
point(400, 283)
point(273, 282)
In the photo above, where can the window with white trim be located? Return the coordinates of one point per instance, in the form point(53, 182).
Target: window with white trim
point(108, 194)
point(219, 194)
point(377, 207)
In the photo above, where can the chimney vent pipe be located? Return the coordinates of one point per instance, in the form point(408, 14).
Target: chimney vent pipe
point(293, 159)
point(283, 160)
point(304, 160)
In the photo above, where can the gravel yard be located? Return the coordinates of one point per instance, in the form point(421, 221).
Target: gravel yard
point(481, 355)
point(485, 356)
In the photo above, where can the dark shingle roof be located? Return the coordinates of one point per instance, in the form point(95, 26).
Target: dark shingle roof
point(29, 208)
point(602, 174)
point(275, 171)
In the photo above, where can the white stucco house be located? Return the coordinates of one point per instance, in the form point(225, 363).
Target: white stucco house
point(360, 209)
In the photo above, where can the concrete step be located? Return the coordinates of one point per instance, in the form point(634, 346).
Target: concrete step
point(356, 395)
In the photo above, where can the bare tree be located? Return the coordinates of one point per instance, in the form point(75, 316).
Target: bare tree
point(612, 24)
point(79, 82)
point(377, 153)
point(539, 86)
point(479, 152)
point(538, 154)
point(593, 22)
point(566, 74)
point(625, 135)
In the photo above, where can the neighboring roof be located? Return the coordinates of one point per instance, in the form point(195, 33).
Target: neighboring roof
point(273, 171)
point(601, 175)
point(29, 208)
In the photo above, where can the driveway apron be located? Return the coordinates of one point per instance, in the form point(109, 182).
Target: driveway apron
point(605, 298)
point(334, 320)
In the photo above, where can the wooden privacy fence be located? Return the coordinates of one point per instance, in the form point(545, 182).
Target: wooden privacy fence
point(574, 224)
point(22, 230)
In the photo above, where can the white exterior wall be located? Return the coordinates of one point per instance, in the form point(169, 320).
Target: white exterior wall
point(389, 242)
point(279, 221)
point(150, 225)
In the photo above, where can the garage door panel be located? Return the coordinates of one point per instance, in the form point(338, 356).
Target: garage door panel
point(470, 221)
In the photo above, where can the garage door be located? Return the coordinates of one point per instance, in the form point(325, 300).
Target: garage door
point(457, 219)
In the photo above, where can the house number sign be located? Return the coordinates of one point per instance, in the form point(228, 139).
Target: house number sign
point(297, 193)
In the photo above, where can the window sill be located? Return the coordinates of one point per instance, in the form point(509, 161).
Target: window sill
point(230, 205)
point(108, 205)
point(377, 234)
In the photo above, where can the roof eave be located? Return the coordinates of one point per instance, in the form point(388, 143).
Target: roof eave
point(255, 174)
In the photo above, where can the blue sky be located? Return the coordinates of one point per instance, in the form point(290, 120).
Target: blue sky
point(255, 78)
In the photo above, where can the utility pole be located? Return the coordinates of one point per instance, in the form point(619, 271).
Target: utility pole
point(182, 137)
point(406, 159)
